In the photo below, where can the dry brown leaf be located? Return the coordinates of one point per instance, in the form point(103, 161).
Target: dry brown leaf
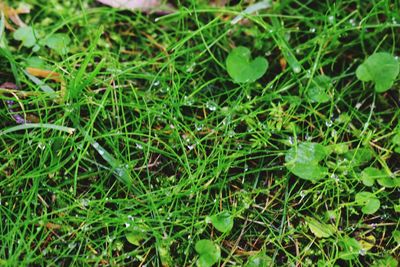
point(13, 15)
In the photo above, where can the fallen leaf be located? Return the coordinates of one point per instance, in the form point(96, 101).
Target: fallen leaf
point(12, 14)
point(47, 74)
point(144, 5)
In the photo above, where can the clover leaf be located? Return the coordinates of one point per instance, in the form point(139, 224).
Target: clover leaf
point(58, 42)
point(319, 229)
point(303, 161)
point(27, 35)
point(380, 68)
point(317, 92)
point(222, 221)
point(242, 69)
point(209, 253)
point(369, 202)
point(370, 174)
point(259, 260)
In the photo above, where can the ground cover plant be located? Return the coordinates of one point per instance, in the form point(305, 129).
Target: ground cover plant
point(202, 133)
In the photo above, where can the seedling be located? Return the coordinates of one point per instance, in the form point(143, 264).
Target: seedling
point(303, 161)
point(209, 253)
point(380, 68)
point(242, 69)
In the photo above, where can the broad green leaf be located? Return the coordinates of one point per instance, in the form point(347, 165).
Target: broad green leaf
point(222, 221)
point(26, 35)
point(359, 156)
point(389, 182)
point(58, 42)
point(350, 248)
point(242, 69)
point(209, 253)
point(136, 234)
point(36, 62)
point(319, 229)
point(381, 68)
point(303, 161)
point(318, 89)
point(259, 260)
point(369, 202)
point(370, 174)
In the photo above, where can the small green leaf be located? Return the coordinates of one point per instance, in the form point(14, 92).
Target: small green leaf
point(370, 174)
point(222, 221)
point(303, 161)
point(396, 208)
point(388, 261)
point(209, 253)
point(319, 87)
point(319, 229)
point(259, 260)
point(389, 182)
point(381, 68)
point(350, 248)
point(58, 42)
point(396, 236)
point(242, 69)
point(369, 202)
point(359, 156)
point(26, 35)
point(136, 234)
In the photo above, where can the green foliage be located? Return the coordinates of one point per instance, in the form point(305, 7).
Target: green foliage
point(260, 260)
point(318, 90)
point(59, 42)
point(209, 253)
point(27, 35)
point(320, 229)
point(242, 69)
point(222, 221)
point(303, 161)
point(369, 202)
point(349, 248)
point(380, 68)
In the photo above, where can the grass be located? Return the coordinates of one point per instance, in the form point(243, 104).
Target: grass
point(163, 138)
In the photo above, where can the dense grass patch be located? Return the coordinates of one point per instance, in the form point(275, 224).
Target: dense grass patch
point(161, 148)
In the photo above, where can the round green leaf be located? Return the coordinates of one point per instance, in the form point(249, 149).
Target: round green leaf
point(389, 182)
point(223, 221)
point(26, 35)
point(209, 253)
point(369, 202)
point(370, 174)
point(303, 161)
point(58, 42)
point(242, 69)
point(318, 90)
point(259, 260)
point(381, 68)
